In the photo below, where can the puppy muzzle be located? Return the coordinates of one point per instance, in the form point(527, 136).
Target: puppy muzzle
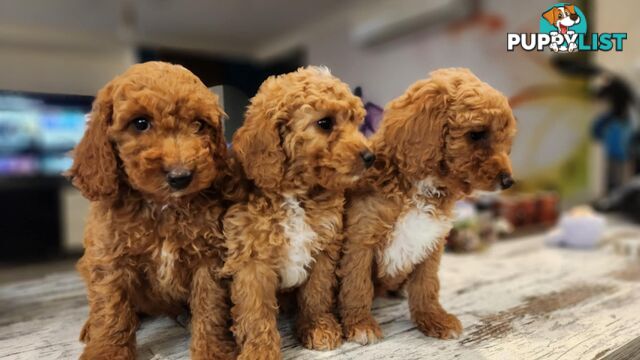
point(179, 179)
point(506, 181)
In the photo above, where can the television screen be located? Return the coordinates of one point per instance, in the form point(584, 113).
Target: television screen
point(38, 130)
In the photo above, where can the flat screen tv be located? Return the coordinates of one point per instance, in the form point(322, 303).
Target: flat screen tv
point(38, 130)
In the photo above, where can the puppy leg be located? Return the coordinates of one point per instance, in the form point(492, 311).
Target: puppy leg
point(356, 295)
point(110, 329)
point(253, 293)
point(426, 311)
point(317, 327)
point(210, 335)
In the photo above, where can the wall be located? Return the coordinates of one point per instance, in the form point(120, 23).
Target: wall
point(66, 70)
point(610, 19)
point(478, 45)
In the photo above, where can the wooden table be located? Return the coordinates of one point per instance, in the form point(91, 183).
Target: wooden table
point(518, 300)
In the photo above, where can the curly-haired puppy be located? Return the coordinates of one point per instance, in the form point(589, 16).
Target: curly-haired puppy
point(301, 148)
point(445, 137)
point(149, 161)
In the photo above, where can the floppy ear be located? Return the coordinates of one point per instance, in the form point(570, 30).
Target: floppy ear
point(570, 8)
point(95, 170)
point(258, 148)
point(217, 136)
point(414, 128)
point(550, 16)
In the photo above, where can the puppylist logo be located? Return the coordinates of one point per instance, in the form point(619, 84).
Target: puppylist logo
point(563, 28)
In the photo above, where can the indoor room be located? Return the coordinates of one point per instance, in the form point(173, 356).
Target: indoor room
point(298, 179)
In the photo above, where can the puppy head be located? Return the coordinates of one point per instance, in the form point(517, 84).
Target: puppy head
point(454, 127)
point(301, 130)
point(562, 17)
point(156, 129)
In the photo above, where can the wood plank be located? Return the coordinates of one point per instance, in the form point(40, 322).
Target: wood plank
point(630, 351)
point(519, 299)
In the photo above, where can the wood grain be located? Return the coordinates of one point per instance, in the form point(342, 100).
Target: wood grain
point(518, 300)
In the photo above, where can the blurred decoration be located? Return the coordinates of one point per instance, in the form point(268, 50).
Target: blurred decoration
point(555, 120)
point(482, 219)
point(628, 245)
point(616, 126)
point(529, 211)
point(624, 200)
point(475, 227)
point(579, 228)
point(374, 115)
point(37, 131)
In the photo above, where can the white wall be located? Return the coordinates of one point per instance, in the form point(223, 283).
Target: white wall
point(386, 70)
point(611, 19)
point(67, 70)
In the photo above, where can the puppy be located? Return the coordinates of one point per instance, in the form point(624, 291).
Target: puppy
point(149, 161)
point(446, 136)
point(300, 147)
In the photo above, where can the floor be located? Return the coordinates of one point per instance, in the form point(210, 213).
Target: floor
point(518, 300)
point(10, 273)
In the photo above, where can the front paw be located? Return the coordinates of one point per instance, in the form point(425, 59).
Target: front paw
point(95, 351)
point(214, 350)
point(363, 332)
point(260, 352)
point(439, 324)
point(323, 333)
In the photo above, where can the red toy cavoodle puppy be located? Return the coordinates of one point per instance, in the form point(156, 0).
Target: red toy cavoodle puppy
point(444, 137)
point(150, 161)
point(301, 148)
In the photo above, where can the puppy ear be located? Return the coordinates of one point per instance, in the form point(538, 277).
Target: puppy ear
point(414, 128)
point(258, 148)
point(570, 8)
point(550, 16)
point(95, 170)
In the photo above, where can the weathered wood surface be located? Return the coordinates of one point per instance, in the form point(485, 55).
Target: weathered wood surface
point(518, 300)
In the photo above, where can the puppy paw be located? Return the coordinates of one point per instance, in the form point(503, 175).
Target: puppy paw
point(363, 332)
point(324, 333)
point(260, 352)
point(214, 350)
point(108, 352)
point(441, 324)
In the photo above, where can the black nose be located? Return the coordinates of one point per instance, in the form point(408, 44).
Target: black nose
point(368, 158)
point(506, 181)
point(573, 17)
point(179, 179)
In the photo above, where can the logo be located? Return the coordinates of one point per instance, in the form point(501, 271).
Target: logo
point(563, 28)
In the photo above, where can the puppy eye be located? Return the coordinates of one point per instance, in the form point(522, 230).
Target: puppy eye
point(141, 124)
point(325, 123)
point(199, 126)
point(478, 135)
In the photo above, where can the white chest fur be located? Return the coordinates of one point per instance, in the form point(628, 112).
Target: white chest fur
point(416, 232)
point(301, 239)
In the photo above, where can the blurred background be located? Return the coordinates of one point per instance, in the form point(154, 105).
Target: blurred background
point(577, 113)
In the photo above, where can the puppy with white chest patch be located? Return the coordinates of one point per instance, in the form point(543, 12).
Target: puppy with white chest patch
point(445, 137)
point(300, 148)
